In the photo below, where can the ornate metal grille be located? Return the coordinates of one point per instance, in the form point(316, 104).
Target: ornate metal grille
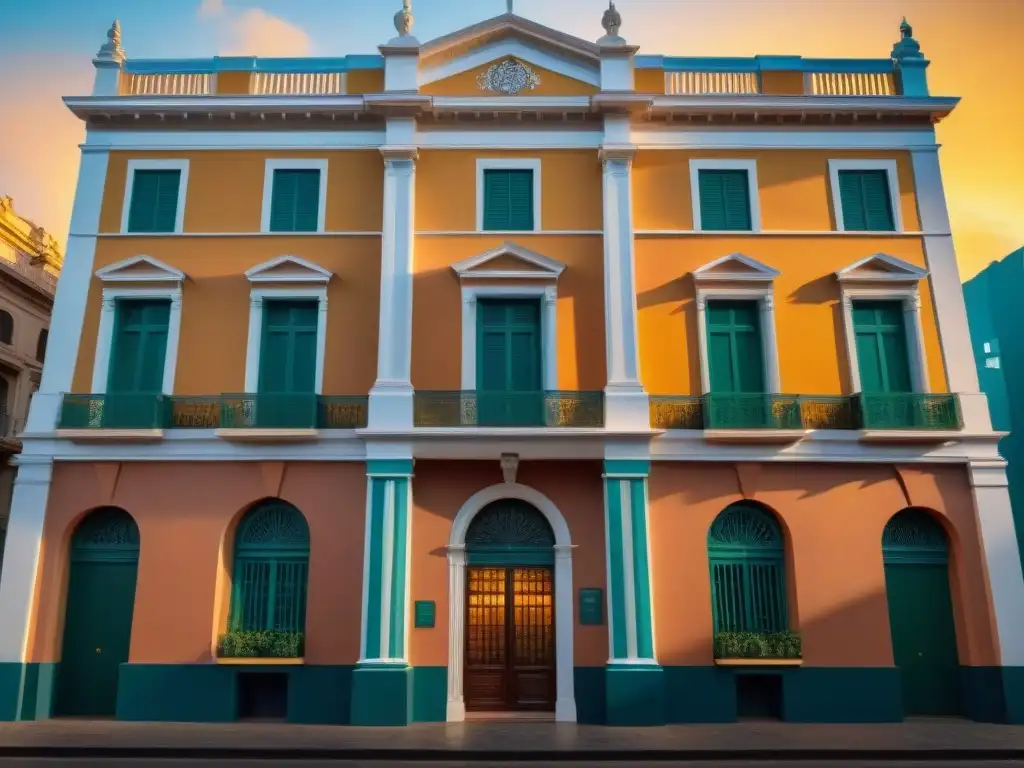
point(108, 533)
point(914, 536)
point(510, 532)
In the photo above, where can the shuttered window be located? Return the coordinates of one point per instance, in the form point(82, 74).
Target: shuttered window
point(508, 200)
point(140, 346)
point(881, 341)
point(295, 201)
point(735, 351)
point(866, 201)
point(288, 347)
point(509, 375)
point(724, 200)
point(154, 203)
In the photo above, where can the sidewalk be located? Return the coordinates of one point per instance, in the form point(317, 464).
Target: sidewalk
point(920, 740)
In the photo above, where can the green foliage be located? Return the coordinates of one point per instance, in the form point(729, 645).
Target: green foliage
point(757, 645)
point(258, 644)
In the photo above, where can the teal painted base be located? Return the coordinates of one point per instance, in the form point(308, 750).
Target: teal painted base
point(634, 695)
point(26, 691)
point(842, 695)
point(993, 694)
point(430, 694)
point(382, 696)
point(700, 695)
point(588, 685)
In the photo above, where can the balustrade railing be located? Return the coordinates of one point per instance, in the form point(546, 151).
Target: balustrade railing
point(910, 411)
point(170, 84)
point(710, 83)
point(114, 410)
point(298, 83)
point(508, 409)
point(849, 84)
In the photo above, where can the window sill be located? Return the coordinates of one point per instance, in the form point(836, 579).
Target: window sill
point(255, 435)
point(111, 435)
point(254, 661)
point(762, 436)
point(758, 662)
point(909, 435)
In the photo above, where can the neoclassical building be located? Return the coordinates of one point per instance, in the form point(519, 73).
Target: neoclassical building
point(510, 374)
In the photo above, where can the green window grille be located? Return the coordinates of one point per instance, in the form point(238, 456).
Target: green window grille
point(295, 201)
point(881, 343)
point(914, 536)
point(724, 200)
point(154, 203)
point(271, 570)
point(108, 534)
point(748, 580)
point(866, 202)
point(508, 200)
point(510, 532)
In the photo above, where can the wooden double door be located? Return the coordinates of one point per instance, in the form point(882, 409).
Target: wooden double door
point(510, 639)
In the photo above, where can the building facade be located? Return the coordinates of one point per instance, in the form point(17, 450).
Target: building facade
point(511, 372)
point(992, 308)
point(30, 262)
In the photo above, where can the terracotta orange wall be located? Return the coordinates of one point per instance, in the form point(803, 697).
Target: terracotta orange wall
point(225, 188)
point(437, 308)
point(215, 306)
point(808, 315)
point(833, 517)
point(185, 513)
point(439, 491)
point(551, 84)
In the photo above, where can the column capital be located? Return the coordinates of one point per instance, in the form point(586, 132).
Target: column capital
point(399, 156)
point(613, 155)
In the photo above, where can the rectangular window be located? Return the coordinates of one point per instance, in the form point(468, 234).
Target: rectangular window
point(735, 352)
point(140, 346)
point(154, 203)
point(508, 200)
point(509, 368)
point(288, 346)
point(724, 200)
point(295, 200)
point(866, 201)
point(881, 343)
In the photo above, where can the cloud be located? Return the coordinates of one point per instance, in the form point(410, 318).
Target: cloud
point(254, 32)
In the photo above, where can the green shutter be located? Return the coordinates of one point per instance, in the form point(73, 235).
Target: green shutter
point(866, 202)
point(508, 200)
point(509, 366)
point(295, 201)
point(724, 200)
point(154, 203)
point(288, 347)
point(735, 349)
point(881, 343)
point(140, 346)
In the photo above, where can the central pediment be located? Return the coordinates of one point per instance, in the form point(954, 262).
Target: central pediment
point(508, 262)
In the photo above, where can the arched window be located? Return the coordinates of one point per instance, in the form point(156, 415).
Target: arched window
point(271, 569)
point(6, 327)
point(748, 578)
point(44, 336)
point(914, 536)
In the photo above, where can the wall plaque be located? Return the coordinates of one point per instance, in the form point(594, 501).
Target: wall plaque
point(591, 606)
point(424, 611)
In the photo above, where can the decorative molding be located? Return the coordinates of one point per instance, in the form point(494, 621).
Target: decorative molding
point(536, 265)
point(493, 163)
point(257, 302)
point(892, 176)
point(750, 166)
point(881, 268)
point(509, 467)
point(140, 269)
point(288, 269)
point(156, 165)
point(734, 268)
point(510, 77)
point(294, 165)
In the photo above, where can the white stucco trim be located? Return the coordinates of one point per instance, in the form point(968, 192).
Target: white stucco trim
point(105, 340)
point(764, 295)
point(910, 298)
point(507, 163)
point(156, 165)
point(548, 295)
point(750, 166)
point(294, 165)
point(565, 700)
point(252, 351)
point(889, 166)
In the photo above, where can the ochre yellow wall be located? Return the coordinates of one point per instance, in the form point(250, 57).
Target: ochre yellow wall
point(364, 81)
point(233, 83)
point(225, 188)
point(783, 83)
point(215, 306)
point(551, 84)
point(649, 80)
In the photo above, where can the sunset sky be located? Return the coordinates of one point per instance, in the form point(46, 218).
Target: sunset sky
point(974, 45)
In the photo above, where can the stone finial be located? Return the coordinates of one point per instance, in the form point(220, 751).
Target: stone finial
point(6, 203)
point(404, 19)
point(612, 20)
point(112, 50)
point(907, 47)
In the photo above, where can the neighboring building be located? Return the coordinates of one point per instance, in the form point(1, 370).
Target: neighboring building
point(511, 372)
point(30, 262)
point(996, 317)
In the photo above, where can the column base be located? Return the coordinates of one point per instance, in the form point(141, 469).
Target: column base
point(626, 408)
point(26, 690)
point(634, 694)
point(382, 695)
point(975, 412)
point(391, 406)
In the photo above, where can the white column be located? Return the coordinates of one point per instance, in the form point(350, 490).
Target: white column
point(565, 697)
point(1002, 558)
point(391, 399)
point(915, 329)
point(457, 633)
point(947, 293)
point(626, 405)
point(21, 555)
point(770, 348)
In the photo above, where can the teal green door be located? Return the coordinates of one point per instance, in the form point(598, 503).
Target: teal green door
point(882, 357)
point(509, 368)
point(921, 614)
point(736, 366)
point(98, 613)
point(287, 384)
point(136, 374)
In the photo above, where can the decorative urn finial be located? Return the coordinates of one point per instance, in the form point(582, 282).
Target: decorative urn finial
point(612, 20)
point(112, 50)
point(907, 47)
point(404, 19)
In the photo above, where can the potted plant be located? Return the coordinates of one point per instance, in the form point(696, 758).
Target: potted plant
point(738, 648)
point(282, 647)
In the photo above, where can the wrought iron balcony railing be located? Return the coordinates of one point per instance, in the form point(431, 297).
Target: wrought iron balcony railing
point(114, 410)
point(469, 408)
point(910, 411)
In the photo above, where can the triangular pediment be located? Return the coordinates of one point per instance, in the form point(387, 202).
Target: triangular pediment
point(735, 268)
point(140, 269)
point(504, 37)
point(288, 269)
point(881, 268)
point(509, 262)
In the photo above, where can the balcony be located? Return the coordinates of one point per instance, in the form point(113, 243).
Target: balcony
point(126, 416)
point(551, 410)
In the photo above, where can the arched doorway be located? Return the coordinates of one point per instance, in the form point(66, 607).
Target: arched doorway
point(98, 615)
point(510, 627)
point(915, 550)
